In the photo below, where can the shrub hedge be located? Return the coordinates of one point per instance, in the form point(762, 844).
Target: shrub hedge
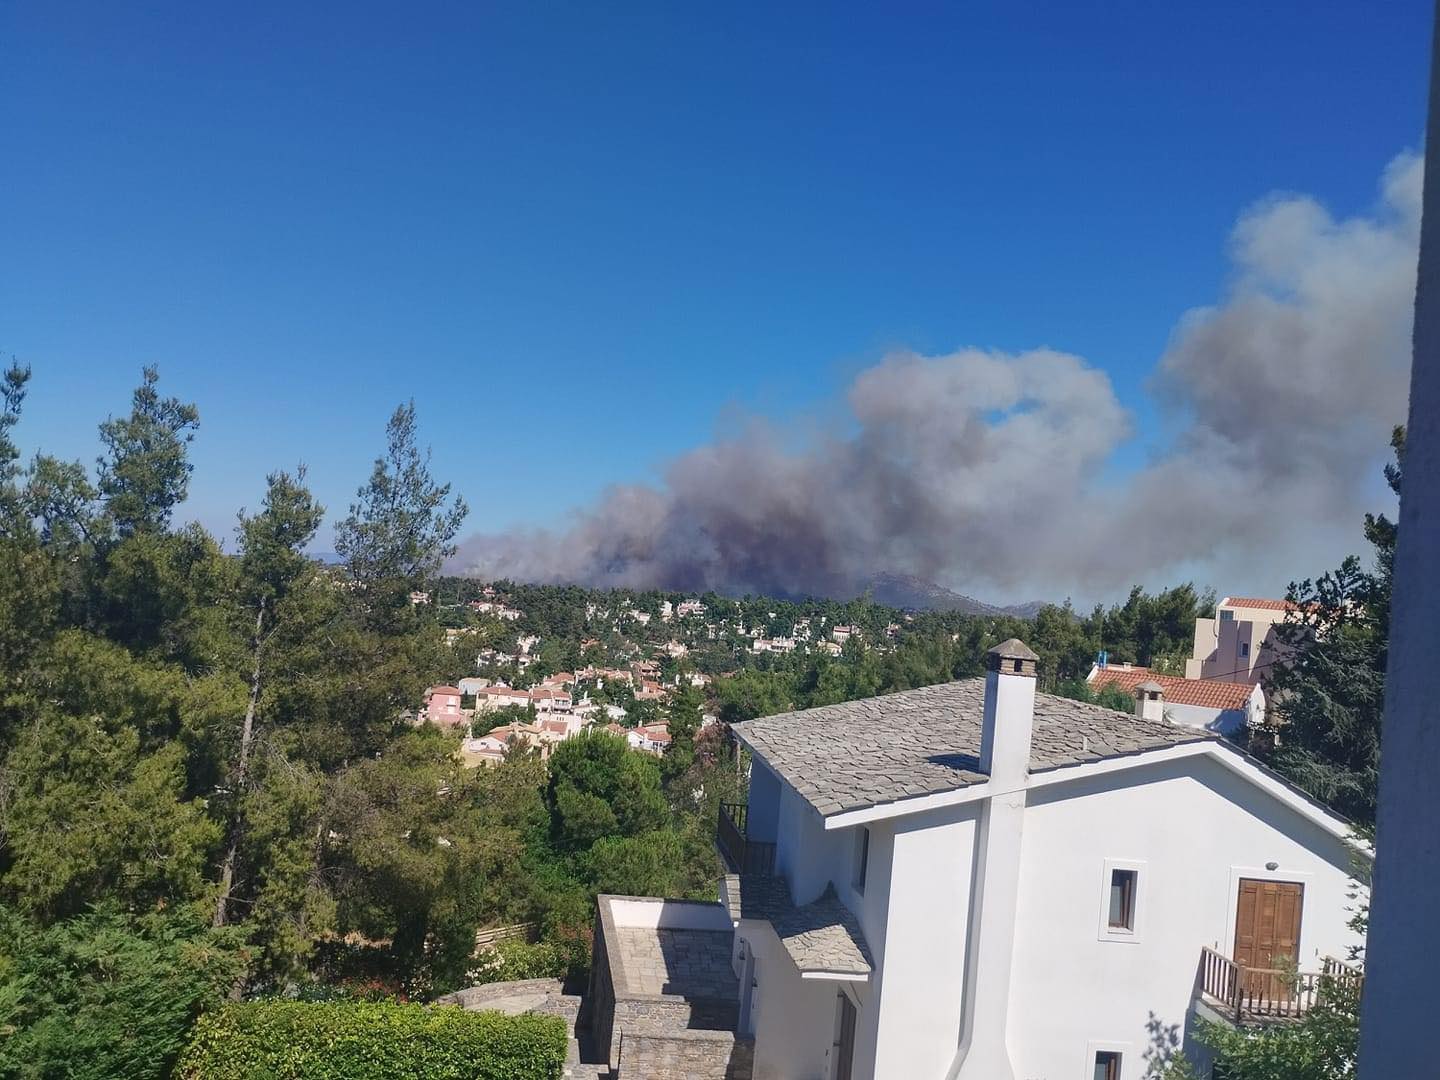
point(379, 1040)
point(507, 961)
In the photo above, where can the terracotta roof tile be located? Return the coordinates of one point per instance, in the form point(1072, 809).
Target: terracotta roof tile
point(1204, 693)
point(1260, 604)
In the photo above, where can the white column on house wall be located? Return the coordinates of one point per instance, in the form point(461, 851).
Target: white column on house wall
point(984, 1053)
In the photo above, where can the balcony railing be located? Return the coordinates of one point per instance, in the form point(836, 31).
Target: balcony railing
point(742, 855)
point(1248, 994)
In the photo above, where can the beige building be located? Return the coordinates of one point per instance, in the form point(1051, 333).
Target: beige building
point(1239, 643)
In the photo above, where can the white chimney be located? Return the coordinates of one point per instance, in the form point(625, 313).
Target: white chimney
point(1150, 701)
point(1009, 713)
point(984, 1051)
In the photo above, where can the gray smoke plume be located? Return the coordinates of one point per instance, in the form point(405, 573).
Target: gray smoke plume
point(977, 469)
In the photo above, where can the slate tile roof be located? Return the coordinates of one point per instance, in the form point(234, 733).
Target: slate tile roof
point(823, 937)
point(920, 742)
point(1204, 693)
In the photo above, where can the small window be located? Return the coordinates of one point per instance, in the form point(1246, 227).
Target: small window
point(1122, 900)
point(862, 858)
point(1107, 1065)
point(1226, 616)
point(1244, 648)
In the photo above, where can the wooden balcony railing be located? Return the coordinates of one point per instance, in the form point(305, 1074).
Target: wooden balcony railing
point(1261, 994)
point(741, 854)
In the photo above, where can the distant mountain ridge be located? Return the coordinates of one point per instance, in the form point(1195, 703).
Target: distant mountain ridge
point(917, 594)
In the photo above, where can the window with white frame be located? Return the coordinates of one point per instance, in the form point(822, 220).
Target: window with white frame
point(1107, 1065)
point(1122, 900)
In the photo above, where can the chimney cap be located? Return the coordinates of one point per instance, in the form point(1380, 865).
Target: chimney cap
point(1150, 686)
point(1014, 649)
point(1011, 657)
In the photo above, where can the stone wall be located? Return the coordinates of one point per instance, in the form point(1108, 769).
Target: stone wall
point(662, 1014)
point(684, 1055)
point(565, 1006)
point(598, 1011)
point(477, 997)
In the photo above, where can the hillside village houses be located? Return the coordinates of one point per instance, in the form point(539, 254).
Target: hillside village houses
point(558, 715)
point(932, 885)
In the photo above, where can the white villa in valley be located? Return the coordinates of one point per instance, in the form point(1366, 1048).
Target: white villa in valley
point(981, 882)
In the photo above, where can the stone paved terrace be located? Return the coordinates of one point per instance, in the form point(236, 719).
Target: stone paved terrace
point(690, 963)
point(663, 1001)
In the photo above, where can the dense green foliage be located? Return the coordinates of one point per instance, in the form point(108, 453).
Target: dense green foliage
point(208, 785)
point(291, 1040)
point(513, 960)
point(209, 776)
point(105, 996)
point(1321, 1045)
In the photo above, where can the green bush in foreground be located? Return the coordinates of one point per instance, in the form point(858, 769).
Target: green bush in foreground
point(292, 1040)
point(107, 995)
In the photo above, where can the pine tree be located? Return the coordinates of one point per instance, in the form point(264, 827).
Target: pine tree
point(1327, 698)
point(401, 528)
point(272, 566)
point(145, 471)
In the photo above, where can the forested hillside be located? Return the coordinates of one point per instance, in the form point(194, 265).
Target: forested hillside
point(876, 649)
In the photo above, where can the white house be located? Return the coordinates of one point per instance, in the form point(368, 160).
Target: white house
point(981, 882)
point(1223, 707)
point(779, 644)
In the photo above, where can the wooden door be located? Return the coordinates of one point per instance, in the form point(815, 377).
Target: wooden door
point(845, 1039)
point(1267, 933)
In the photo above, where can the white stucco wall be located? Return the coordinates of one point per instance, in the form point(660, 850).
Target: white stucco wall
point(763, 815)
point(1226, 722)
point(810, 858)
point(920, 983)
point(1194, 829)
point(806, 855)
point(794, 1017)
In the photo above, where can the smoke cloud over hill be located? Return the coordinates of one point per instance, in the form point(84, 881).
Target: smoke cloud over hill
point(983, 470)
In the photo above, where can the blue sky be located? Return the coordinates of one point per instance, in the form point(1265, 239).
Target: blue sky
point(581, 236)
